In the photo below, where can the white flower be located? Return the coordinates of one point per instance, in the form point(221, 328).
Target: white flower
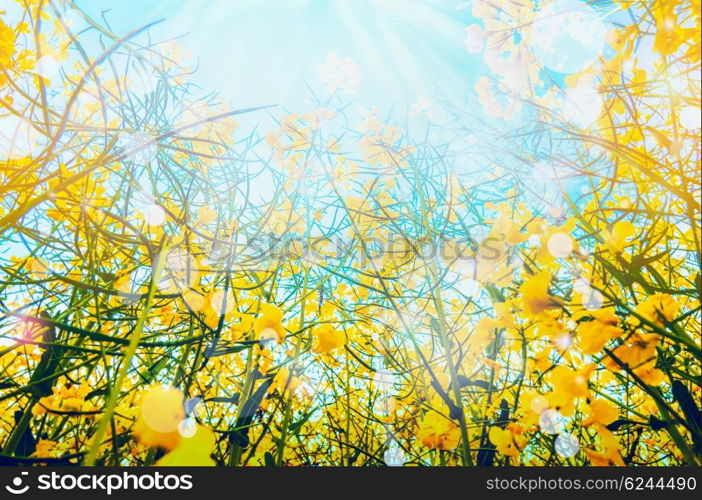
point(340, 74)
point(475, 39)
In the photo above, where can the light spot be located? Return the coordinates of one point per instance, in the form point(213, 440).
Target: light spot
point(384, 381)
point(194, 300)
point(539, 404)
point(581, 286)
point(560, 245)
point(181, 270)
point(468, 287)
point(582, 106)
point(187, 427)
point(138, 147)
point(384, 406)
point(222, 302)
point(394, 456)
point(48, 67)
point(162, 408)
point(154, 215)
point(551, 422)
point(563, 341)
point(556, 212)
point(593, 300)
point(567, 445)
point(690, 118)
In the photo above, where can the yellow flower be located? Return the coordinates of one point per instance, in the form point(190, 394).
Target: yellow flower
point(285, 382)
point(506, 440)
point(532, 404)
point(598, 459)
point(593, 335)
point(327, 339)
point(238, 330)
point(192, 451)
point(568, 385)
point(535, 295)
point(206, 215)
point(269, 325)
point(44, 404)
point(44, 448)
point(656, 309)
point(615, 240)
point(611, 455)
point(74, 397)
point(669, 34)
point(7, 45)
point(194, 300)
point(637, 349)
point(438, 432)
point(638, 353)
point(212, 317)
point(159, 416)
point(650, 375)
point(601, 412)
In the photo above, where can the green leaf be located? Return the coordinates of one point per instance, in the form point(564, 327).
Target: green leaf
point(295, 427)
point(240, 434)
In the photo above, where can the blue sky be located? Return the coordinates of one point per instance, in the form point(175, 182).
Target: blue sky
point(255, 52)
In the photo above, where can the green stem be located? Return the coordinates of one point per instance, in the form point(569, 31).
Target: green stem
point(234, 448)
point(465, 444)
point(288, 406)
point(19, 429)
point(124, 368)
